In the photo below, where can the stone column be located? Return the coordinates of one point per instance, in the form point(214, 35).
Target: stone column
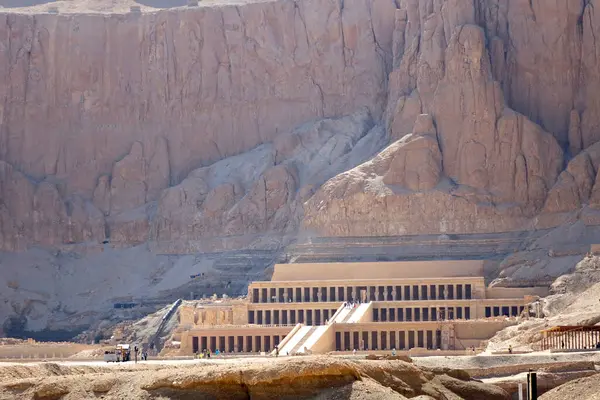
point(354, 293)
point(387, 340)
point(319, 295)
point(394, 293)
point(385, 293)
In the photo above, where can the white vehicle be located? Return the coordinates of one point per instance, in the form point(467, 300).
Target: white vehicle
point(120, 354)
point(110, 356)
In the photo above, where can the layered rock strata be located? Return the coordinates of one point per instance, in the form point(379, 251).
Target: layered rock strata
point(486, 168)
point(184, 128)
point(130, 104)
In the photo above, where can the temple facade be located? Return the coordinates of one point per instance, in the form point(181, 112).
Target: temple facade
point(417, 307)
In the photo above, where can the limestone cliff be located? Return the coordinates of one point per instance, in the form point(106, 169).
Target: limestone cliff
point(128, 105)
point(503, 84)
point(113, 109)
point(241, 126)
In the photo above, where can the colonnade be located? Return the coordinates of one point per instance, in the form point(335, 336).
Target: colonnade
point(387, 340)
point(503, 311)
point(366, 293)
point(236, 343)
point(290, 316)
point(402, 314)
point(571, 338)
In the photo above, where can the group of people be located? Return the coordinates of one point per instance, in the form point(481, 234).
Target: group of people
point(207, 353)
point(351, 304)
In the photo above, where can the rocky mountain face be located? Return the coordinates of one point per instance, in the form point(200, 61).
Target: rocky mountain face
point(121, 126)
point(487, 155)
point(242, 126)
point(100, 114)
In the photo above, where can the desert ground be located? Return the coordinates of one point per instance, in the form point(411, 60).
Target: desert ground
point(483, 376)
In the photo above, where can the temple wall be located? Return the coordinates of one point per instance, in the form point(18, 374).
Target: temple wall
point(512, 293)
point(480, 330)
point(378, 270)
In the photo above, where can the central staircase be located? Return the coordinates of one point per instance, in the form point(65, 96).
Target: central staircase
point(300, 345)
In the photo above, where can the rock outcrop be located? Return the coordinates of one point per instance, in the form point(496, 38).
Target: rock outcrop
point(302, 378)
point(130, 104)
point(188, 143)
point(493, 169)
point(212, 81)
point(238, 201)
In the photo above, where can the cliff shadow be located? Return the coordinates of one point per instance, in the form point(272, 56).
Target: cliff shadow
point(23, 3)
point(160, 3)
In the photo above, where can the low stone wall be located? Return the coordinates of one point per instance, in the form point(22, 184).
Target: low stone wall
point(508, 370)
point(416, 352)
point(42, 351)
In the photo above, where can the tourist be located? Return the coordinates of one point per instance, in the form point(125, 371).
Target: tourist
point(354, 352)
point(276, 351)
point(394, 352)
point(217, 352)
point(510, 349)
point(562, 344)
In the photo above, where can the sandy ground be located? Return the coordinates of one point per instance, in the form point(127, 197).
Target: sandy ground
point(580, 389)
point(455, 362)
point(164, 374)
point(488, 361)
point(318, 377)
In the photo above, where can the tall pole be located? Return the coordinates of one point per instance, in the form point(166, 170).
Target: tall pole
point(532, 385)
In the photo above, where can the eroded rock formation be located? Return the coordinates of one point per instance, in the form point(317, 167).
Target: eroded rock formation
point(497, 165)
point(238, 201)
point(225, 127)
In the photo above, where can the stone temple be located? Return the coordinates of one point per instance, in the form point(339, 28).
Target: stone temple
point(418, 307)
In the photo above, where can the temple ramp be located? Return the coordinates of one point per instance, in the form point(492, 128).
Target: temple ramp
point(341, 314)
point(300, 346)
point(295, 340)
point(362, 313)
point(320, 341)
